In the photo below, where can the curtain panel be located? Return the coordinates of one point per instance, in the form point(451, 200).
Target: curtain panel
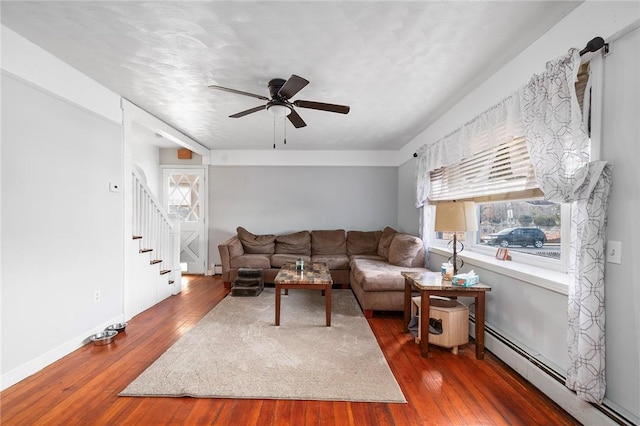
point(559, 150)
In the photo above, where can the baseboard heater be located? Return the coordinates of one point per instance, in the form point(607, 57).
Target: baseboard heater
point(608, 411)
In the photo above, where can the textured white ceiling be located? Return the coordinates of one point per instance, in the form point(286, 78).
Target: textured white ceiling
point(399, 65)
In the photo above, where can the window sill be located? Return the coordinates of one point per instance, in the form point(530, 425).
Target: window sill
point(551, 280)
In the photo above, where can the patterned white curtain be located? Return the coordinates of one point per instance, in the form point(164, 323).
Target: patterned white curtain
point(559, 149)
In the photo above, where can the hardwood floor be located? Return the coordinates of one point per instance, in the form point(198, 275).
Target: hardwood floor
point(446, 389)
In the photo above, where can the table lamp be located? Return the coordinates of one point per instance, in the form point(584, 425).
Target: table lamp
point(456, 216)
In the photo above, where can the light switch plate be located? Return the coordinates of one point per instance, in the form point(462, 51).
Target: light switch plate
point(614, 252)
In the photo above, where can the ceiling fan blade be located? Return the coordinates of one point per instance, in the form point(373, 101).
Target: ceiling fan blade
point(296, 120)
point(238, 92)
point(342, 109)
point(249, 111)
point(292, 86)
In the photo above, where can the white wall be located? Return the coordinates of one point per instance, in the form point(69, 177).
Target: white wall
point(169, 157)
point(62, 233)
point(61, 226)
point(275, 200)
point(535, 316)
point(147, 158)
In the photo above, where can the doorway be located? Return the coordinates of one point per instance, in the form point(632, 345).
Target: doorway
point(185, 195)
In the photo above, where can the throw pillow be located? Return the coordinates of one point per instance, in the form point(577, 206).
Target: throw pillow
point(359, 242)
point(403, 249)
point(385, 241)
point(296, 243)
point(235, 248)
point(328, 242)
point(256, 244)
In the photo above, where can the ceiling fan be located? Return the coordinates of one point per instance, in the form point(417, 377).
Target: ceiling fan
point(280, 105)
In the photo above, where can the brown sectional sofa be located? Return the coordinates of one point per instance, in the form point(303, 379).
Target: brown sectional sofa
point(369, 261)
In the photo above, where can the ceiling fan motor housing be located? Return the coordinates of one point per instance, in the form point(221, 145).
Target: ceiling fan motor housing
point(274, 87)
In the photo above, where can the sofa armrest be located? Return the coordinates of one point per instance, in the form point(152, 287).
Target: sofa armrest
point(228, 250)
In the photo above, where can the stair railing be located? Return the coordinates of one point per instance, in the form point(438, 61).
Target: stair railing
point(156, 231)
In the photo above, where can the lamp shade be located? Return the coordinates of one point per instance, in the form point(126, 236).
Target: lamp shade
point(456, 216)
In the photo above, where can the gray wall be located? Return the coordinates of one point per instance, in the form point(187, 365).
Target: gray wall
point(62, 235)
point(621, 146)
point(275, 200)
point(408, 220)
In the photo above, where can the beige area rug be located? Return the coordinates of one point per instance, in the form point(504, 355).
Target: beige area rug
point(236, 351)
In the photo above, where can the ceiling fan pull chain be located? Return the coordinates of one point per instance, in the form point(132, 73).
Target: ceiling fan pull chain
point(274, 132)
point(284, 125)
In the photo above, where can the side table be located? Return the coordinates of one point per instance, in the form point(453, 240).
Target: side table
point(432, 284)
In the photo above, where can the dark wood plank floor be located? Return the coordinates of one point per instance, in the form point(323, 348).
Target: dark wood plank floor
point(446, 389)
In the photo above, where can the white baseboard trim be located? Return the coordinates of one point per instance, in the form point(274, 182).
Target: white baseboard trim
point(25, 370)
point(546, 380)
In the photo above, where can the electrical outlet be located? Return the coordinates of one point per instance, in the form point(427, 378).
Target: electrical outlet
point(96, 296)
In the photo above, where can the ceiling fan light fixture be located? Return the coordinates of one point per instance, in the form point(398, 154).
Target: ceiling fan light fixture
point(279, 110)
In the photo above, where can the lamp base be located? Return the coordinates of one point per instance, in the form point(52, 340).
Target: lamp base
point(454, 259)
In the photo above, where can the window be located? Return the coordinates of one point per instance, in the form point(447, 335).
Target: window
point(533, 228)
point(184, 196)
point(511, 210)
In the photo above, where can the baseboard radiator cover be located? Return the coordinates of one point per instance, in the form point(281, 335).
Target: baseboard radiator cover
point(549, 380)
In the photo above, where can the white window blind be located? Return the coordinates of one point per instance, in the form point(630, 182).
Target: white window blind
point(500, 169)
point(502, 172)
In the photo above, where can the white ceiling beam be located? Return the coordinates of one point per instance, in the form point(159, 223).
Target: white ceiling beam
point(142, 117)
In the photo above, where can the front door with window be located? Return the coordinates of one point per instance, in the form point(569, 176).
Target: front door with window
point(185, 195)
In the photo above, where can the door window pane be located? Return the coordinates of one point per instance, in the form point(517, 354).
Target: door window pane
point(184, 196)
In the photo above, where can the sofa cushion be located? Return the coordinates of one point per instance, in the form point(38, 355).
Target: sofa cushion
point(378, 275)
point(235, 248)
point(278, 260)
point(385, 241)
point(403, 249)
point(328, 242)
point(366, 256)
point(296, 243)
point(256, 244)
point(360, 242)
point(258, 261)
point(333, 261)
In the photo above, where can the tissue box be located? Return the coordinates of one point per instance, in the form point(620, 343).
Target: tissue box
point(464, 280)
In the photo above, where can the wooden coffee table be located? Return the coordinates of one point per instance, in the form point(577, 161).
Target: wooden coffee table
point(315, 276)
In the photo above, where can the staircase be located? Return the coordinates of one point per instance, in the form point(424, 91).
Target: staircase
point(156, 239)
